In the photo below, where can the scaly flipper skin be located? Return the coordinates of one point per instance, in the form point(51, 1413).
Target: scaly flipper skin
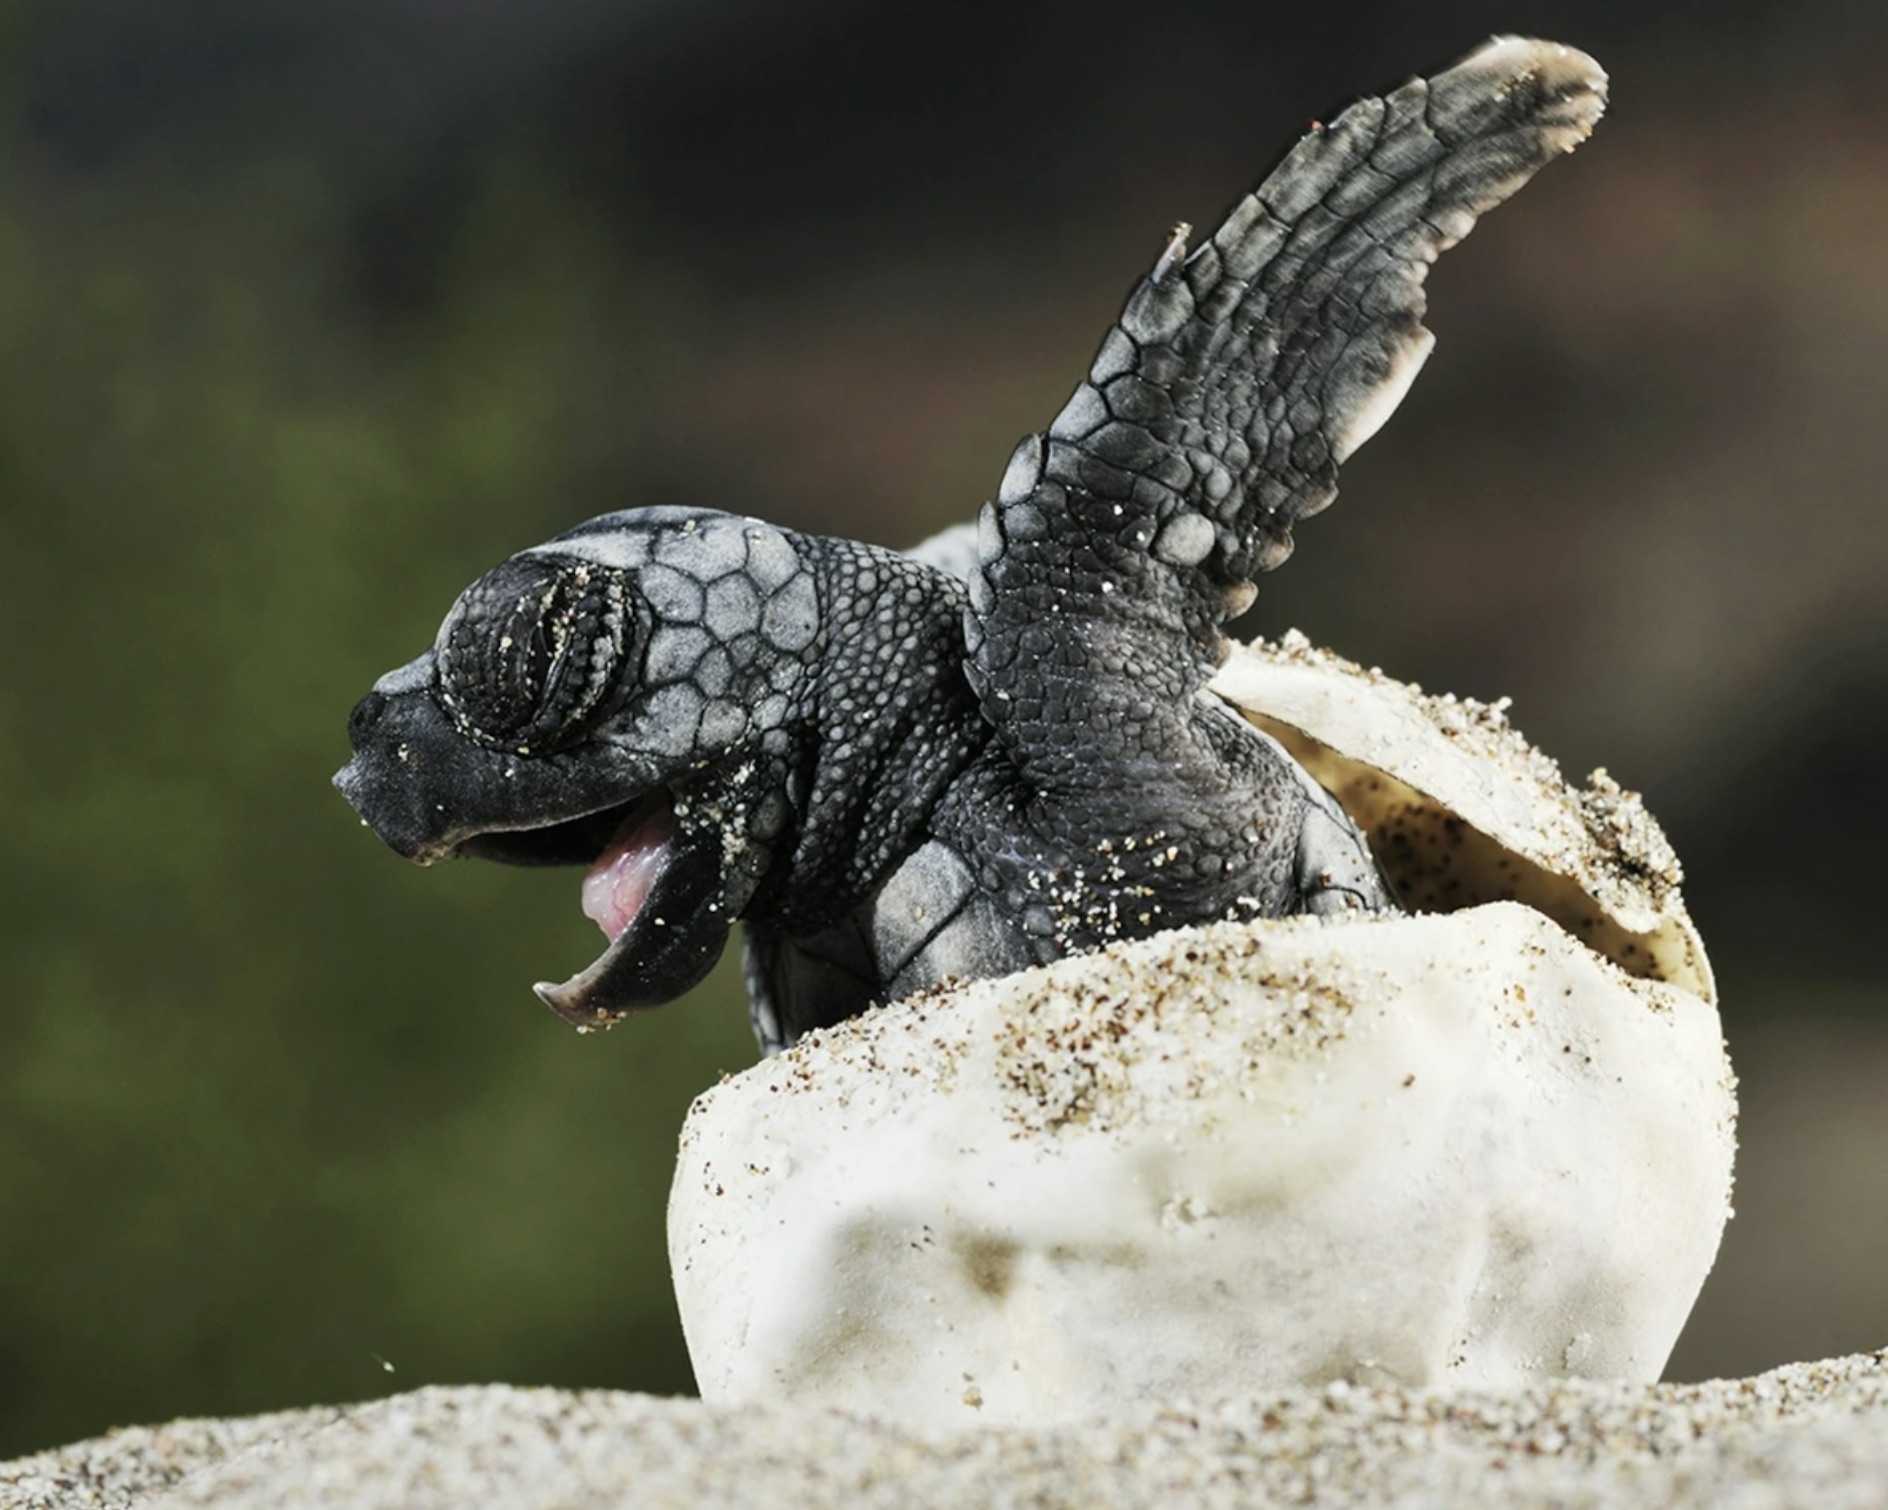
point(1213, 419)
point(898, 769)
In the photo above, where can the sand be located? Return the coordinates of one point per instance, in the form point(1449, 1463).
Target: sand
point(1809, 1434)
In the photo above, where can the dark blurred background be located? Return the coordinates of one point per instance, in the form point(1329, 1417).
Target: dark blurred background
point(308, 314)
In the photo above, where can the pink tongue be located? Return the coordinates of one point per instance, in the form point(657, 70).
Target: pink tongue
point(618, 884)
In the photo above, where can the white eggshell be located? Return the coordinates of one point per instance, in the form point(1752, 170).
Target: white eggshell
point(1458, 1147)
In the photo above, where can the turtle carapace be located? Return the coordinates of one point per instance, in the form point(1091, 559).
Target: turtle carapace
point(992, 751)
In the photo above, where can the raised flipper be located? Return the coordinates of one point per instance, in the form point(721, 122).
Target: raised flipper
point(1238, 378)
point(892, 779)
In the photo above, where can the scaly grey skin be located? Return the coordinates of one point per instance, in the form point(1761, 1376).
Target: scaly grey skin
point(896, 769)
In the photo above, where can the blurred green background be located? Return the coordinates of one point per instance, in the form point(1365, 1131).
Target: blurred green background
point(310, 314)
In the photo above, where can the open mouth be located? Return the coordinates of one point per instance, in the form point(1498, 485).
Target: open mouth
point(575, 841)
point(620, 878)
point(656, 875)
point(625, 848)
point(649, 908)
point(659, 905)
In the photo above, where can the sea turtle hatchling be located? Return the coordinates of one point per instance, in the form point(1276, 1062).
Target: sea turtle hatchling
point(899, 768)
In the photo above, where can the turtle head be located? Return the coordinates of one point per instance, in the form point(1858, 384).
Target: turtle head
point(624, 697)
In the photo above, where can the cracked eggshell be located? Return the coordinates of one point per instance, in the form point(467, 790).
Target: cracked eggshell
point(1461, 1147)
point(1461, 809)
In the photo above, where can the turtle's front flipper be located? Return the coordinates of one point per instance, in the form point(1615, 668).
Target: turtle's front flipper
point(1118, 795)
point(1236, 381)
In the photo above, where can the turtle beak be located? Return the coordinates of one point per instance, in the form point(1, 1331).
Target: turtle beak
point(429, 794)
point(656, 884)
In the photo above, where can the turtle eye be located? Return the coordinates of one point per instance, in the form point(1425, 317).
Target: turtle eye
point(531, 653)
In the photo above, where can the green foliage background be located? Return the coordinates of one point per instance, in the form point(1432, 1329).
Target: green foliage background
point(275, 1109)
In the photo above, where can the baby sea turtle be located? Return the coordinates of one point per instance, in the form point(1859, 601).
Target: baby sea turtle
point(985, 754)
